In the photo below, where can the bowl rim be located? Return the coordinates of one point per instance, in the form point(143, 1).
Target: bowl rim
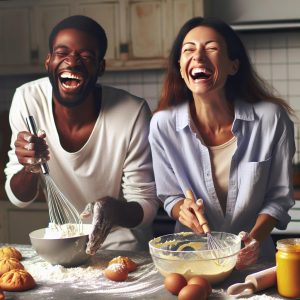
point(155, 249)
point(32, 233)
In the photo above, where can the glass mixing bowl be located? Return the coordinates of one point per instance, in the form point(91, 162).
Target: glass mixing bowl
point(188, 254)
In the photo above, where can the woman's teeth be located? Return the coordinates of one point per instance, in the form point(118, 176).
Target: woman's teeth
point(200, 73)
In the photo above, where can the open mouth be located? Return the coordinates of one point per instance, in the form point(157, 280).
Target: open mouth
point(200, 73)
point(70, 80)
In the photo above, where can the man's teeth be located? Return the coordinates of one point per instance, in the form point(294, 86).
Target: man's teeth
point(68, 75)
point(72, 86)
point(70, 80)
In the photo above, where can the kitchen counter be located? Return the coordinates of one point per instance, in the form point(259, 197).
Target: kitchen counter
point(88, 282)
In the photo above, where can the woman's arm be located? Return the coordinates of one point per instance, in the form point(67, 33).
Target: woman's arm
point(263, 227)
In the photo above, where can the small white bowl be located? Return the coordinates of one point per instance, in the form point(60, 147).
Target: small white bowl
point(68, 252)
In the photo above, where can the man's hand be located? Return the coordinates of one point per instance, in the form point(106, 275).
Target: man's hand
point(102, 213)
point(31, 150)
point(249, 254)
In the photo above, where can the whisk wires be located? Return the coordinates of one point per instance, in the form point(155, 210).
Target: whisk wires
point(213, 243)
point(61, 210)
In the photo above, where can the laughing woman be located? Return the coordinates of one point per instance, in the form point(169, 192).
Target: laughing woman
point(221, 133)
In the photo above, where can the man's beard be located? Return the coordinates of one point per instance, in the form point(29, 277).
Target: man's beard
point(78, 98)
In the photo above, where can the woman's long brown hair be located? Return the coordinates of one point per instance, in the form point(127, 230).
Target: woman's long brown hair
point(246, 84)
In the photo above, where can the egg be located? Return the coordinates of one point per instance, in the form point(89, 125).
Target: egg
point(174, 282)
point(201, 281)
point(116, 272)
point(192, 292)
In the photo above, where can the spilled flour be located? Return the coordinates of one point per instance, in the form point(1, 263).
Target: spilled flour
point(89, 278)
point(88, 281)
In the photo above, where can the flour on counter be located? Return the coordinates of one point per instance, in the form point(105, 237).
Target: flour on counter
point(259, 297)
point(89, 278)
point(219, 294)
point(43, 271)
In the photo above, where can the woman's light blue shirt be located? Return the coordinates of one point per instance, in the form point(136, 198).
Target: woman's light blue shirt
point(260, 179)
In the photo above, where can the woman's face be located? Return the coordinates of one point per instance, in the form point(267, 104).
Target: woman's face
point(204, 61)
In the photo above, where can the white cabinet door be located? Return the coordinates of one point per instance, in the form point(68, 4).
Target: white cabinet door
point(106, 13)
point(146, 29)
point(177, 13)
point(46, 16)
point(15, 36)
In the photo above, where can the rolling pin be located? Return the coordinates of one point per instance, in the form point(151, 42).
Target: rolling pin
point(255, 282)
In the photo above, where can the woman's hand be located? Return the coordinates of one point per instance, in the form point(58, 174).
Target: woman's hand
point(189, 215)
point(249, 254)
point(31, 150)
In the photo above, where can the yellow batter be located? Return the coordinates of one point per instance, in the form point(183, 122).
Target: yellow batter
point(190, 264)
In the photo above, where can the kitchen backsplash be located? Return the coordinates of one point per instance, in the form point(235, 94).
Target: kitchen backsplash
point(276, 56)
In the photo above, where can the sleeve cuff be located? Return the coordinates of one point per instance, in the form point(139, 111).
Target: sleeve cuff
point(13, 199)
point(281, 215)
point(169, 204)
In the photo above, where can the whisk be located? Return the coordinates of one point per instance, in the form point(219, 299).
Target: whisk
point(61, 210)
point(212, 242)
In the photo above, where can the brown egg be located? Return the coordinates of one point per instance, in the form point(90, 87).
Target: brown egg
point(174, 282)
point(192, 292)
point(116, 272)
point(201, 281)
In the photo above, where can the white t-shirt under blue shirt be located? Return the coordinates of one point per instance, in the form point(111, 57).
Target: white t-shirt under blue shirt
point(260, 178)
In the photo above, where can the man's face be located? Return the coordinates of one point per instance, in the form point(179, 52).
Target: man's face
point(73, 66)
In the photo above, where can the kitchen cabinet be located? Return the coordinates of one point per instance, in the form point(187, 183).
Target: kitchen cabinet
point(16, 223)
point(140, 32)
point(24, 31)
point(151, 26)
point(108, 15)
point(15, 35)
point(45, 16)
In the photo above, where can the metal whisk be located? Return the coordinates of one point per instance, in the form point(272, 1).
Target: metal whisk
point(212, 242)
point(61, 210)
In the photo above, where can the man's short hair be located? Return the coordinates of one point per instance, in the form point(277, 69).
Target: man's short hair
point(85, 24)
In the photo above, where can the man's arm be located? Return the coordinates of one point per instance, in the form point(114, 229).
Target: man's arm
point(24, 185)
